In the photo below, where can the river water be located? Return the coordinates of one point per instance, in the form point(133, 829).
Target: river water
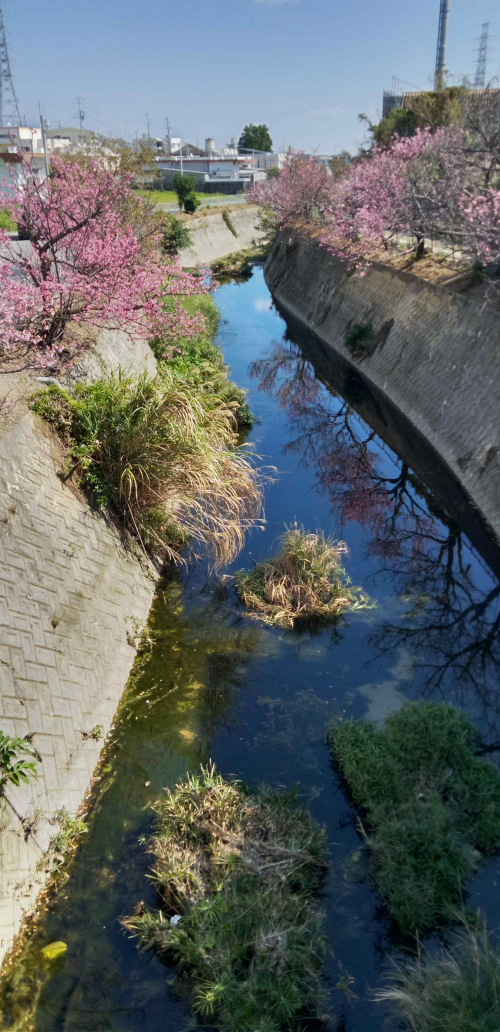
point(213, 684)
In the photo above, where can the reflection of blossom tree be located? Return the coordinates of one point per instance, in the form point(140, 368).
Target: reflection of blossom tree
point(451, 625)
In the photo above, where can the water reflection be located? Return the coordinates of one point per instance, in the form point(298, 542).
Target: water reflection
point(450, 627)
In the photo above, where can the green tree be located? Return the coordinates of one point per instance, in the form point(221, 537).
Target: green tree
point(256, 137)
point(433, 108)
point(185, 188)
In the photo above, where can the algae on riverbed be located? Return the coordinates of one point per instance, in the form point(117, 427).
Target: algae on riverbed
point(236, 875)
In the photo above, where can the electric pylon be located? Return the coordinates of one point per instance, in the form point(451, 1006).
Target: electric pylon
point(9, 107)
point(482, 57)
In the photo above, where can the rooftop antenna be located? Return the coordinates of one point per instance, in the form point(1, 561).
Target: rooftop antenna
point(444, 12)
point(9, 107)
point(482, 57)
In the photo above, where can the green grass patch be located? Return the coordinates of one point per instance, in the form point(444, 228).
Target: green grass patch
point(6, 222)
point(236, 874)
point(432, 806)
point(304, 582)
point(201, 362)
point(170, 196)
point(457, 990)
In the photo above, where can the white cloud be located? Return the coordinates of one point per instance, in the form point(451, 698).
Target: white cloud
point(262, 304)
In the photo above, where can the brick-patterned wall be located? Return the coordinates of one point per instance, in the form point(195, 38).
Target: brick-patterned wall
point(70, 592)
point(436, 361)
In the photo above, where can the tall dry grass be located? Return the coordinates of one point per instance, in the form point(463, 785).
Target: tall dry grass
point(162, 452)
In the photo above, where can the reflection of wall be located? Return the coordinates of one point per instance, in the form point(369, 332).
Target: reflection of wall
point(69, 593)
point(434, 381)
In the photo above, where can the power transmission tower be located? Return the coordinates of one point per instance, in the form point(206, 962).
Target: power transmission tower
point(9, 107)
point(482, 57)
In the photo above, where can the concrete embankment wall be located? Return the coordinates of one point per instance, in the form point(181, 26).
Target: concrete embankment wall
point(72, 596)
point(434, 359)
point(211, 237)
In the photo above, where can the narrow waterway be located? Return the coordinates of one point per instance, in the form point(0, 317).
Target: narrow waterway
point(214, 684)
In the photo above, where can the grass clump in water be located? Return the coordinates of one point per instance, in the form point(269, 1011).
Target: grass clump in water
point(305, 582)
point(236, 875)
point(456, 991)
point(432, 805)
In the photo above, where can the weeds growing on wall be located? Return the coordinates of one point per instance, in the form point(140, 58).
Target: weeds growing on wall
point(15, 768)
point(236, 876)
point(457, 990)
point(162, 451)
point(305, 581)
point(431, 806)
point(227, 219)
point(358, 339)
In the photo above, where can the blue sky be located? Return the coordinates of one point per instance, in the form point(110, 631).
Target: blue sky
point(305, 67)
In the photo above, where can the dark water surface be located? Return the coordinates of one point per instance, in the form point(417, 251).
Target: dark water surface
point(215, 684)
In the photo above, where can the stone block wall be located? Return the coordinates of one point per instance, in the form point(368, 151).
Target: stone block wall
point(435, 355)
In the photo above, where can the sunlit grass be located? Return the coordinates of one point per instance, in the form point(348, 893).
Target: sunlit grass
point(236, 876)
point(304, 581)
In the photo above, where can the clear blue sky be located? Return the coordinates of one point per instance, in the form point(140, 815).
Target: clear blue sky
point(305, 67)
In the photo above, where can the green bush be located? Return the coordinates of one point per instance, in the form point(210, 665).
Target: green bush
point(431, 805)
point(175, 235)
point(454, 991)
point(236, 876)
point(227, 219)
point(6, 222)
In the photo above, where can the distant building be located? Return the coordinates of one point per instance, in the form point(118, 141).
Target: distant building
point(220, 171)
point(69, 136)
point(19, 146)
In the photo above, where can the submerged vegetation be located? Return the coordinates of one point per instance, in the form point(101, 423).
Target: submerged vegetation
point(430, 802)
point(161, 450)
point(236, 875)
point(304, 582)
point(456, 991)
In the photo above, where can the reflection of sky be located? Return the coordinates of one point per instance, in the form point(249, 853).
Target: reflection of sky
point(436, 604)
point(424, 578)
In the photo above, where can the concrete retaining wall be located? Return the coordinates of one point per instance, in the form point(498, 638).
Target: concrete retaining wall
point(211, 238)
point(435, 360)
point(72, 596)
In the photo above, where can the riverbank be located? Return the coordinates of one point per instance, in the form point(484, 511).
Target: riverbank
point(429, 351)
point(217, 234)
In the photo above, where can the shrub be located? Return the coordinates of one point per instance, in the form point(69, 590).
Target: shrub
point(175, 235)
point(159, 450)
point(11, 768)
point(455, 991)
point(236, 875)
point(304, 582)
point(430, 802)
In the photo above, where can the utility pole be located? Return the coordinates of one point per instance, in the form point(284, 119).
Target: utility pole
point(9, 107)
point(168, 137)
point(44, 141)
point(81, 116)
point(146, 116)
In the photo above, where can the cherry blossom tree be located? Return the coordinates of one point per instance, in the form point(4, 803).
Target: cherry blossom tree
point(82, 264)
